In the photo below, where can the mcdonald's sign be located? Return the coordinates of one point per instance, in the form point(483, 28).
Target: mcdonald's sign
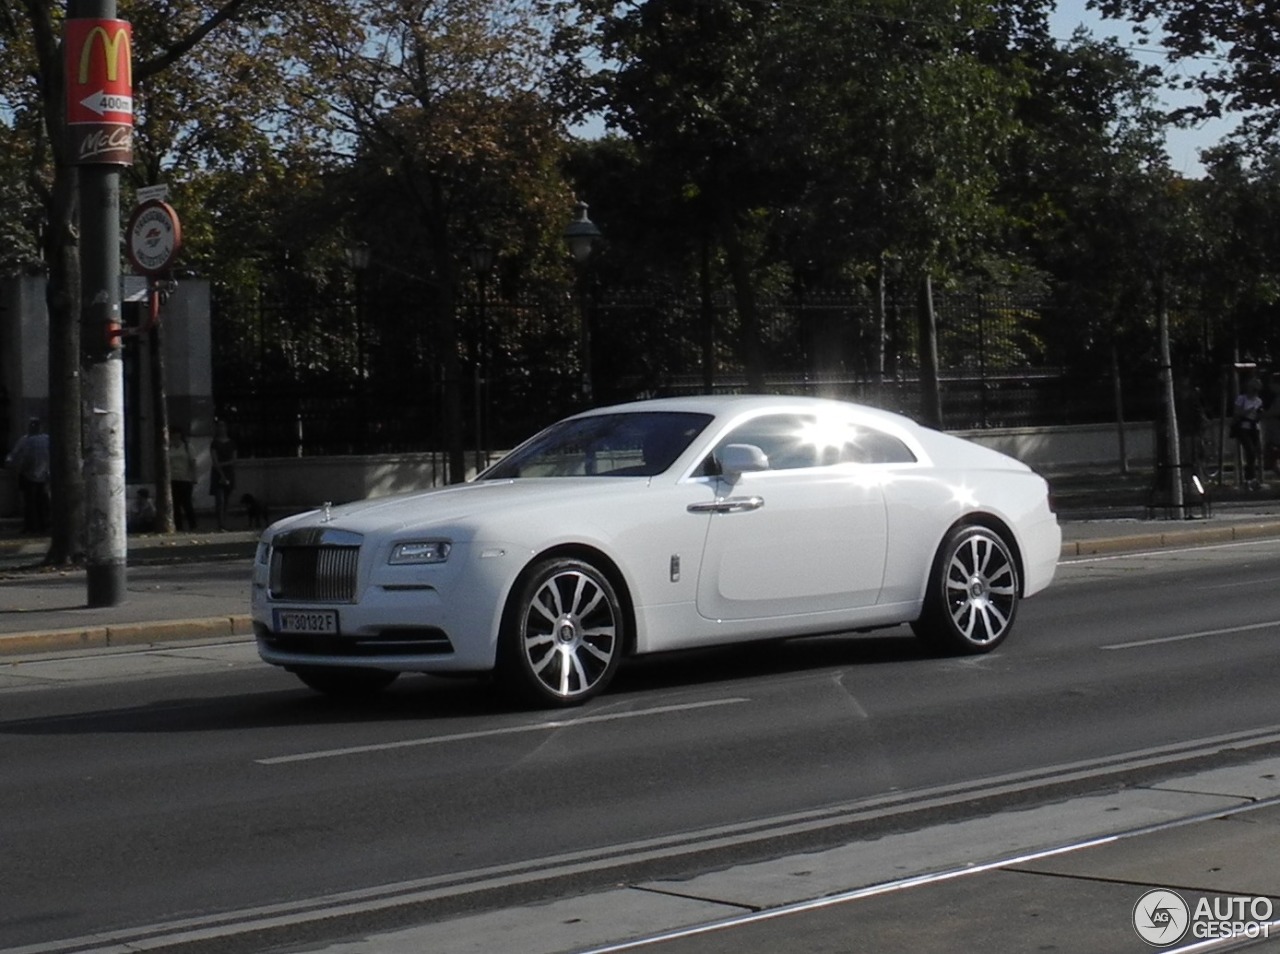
point(99, 74)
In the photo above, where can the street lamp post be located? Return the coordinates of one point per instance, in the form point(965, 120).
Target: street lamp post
point(481, 256)
point(581, 237)
point(358, 256)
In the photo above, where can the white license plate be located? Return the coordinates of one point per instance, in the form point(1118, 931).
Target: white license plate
point(321, 622)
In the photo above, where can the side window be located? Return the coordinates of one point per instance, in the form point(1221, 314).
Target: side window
point(781, 437)
point(870, 446)
point(793, 441)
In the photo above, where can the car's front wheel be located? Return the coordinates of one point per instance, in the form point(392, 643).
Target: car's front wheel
point(563, 634)
point(972, 595)
point(345, 682)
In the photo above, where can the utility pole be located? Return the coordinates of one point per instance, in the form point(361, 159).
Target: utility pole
point(100, 130)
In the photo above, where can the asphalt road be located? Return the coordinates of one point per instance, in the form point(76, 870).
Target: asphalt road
point(171, 786)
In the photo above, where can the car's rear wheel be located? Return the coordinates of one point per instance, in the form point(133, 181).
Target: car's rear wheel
point(563, 634)
point(972, 595)
point(345, 682)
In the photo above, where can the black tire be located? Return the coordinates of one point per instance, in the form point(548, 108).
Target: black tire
point(972, 595)
point(563, 634)
point(345, 682)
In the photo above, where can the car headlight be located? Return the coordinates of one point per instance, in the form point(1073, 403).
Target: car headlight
point(420, 551)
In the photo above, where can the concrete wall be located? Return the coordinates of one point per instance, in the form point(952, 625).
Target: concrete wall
point(24, 356)
point(186, 338)
point(188, 347)
point(296, 482)
point(287, 483)
point(24, 369)
point(1077, 447)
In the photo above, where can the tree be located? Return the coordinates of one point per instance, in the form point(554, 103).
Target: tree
point(701, 87)
point(928, 115)
point(448, 101)
point(33, 93)
point(1091, 128)
point(1239, 39)
point(217, 97)
point(828, 135)
point(1094, 199)
point(1238, 278)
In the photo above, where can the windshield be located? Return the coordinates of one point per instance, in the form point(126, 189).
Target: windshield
point(632, 444)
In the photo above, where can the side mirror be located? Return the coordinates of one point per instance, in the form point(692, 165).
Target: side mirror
point(735, 459)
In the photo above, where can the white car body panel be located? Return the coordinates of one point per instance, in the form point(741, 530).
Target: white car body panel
point(830, 548)
point(816, 543)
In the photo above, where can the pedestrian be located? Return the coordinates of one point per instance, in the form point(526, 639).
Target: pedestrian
point(1271, 424)
point(1194, 424)
point(142, 515)
point(182, 479)
point(30, 458)
point(222, 479)
point(1246, 429)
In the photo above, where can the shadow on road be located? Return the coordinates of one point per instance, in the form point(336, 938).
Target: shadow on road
point(442, 699)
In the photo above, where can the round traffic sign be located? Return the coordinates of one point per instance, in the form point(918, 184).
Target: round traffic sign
point(155, 235)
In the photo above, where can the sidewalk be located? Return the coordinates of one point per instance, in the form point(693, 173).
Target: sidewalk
point(196, 585)
point(179, 586)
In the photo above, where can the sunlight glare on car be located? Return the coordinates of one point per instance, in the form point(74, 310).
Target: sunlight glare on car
point(826, 434)
point(964, 496)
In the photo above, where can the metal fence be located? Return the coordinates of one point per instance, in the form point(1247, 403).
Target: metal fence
point(300, 371)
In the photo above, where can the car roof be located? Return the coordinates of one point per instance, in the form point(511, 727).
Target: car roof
point(731, 405)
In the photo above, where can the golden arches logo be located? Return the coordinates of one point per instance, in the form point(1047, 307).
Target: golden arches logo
point(112, 46)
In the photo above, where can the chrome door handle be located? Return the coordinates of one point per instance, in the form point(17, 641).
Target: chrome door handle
point(728, 505)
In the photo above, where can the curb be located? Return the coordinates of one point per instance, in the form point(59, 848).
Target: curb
point(155, 547)
point(126, 634)
point(235, 626)
point(1171, 538)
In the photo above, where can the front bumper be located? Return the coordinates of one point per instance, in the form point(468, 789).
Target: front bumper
point(416, 618)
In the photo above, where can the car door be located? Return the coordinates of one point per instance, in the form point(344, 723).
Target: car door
point(805, 536)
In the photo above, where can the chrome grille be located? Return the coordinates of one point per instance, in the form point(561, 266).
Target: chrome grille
point(315, 566)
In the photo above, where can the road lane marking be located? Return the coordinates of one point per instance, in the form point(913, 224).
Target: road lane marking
point(487, 733)
point(1182, 637)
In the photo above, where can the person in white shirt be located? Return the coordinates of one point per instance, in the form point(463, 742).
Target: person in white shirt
point(1246, 428)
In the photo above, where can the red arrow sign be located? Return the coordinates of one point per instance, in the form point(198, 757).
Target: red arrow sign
point(99, 90)
point(99, 71)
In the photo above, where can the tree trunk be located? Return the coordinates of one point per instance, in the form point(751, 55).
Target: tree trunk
point(708, 316)
point(160, 421)
point(1173, 449)
point(62, 296)
point(744, 296)
point(435, 218)
point(882, 319)
point(1118, 394)
point(930, 392)
point(452, 410)
point(66, 470)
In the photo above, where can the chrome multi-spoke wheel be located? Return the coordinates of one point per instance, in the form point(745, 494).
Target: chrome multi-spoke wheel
point(972, 595)
point(564, 639)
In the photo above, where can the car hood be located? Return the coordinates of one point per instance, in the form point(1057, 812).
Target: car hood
point(460, 505)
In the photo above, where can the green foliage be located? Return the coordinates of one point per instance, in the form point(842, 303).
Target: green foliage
point(1238, 277)
point(766, 148)
point(1234, 44)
